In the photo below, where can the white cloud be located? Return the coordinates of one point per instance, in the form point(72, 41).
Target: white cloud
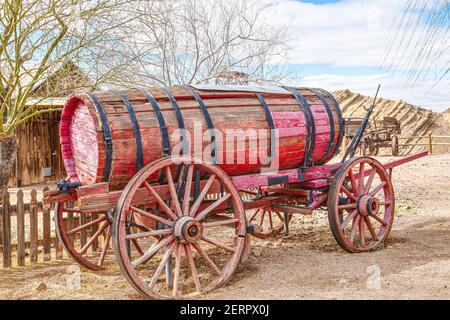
point(425, 94)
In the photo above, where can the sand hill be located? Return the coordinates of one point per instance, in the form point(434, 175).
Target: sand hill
point(415, 121)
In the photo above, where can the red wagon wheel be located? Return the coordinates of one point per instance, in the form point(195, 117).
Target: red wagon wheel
point(267, 222)
point(86, 237)
point(197, 241)
point(361, 205)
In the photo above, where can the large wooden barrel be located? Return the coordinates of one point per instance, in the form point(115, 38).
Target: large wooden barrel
point(109, 135)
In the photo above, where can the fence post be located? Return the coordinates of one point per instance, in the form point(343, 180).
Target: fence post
point(33, 227)
point(430, 143)
point(46, 231)
point(6, 219)
point(6, 225)
point(20, 229)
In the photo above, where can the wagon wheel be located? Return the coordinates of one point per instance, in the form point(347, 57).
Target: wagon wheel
point(361, 205)
point(204, 238)
point(267, 222)
point(373, 149)
point(86, 237)
point(395, 146)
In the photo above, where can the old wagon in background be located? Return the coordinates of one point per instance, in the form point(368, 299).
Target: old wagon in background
point(180, 222)
point(378, 134)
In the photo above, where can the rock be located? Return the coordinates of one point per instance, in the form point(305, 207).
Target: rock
point(41, 287)
point(257, 251)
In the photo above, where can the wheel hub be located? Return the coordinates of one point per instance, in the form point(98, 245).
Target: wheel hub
point(367, 205)
point(187, 229)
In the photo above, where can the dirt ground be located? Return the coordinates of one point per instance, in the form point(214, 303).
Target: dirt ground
point(307, 264)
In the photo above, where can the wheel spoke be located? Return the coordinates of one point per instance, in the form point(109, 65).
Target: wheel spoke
point(279, 216)
point(151, 215)
point(354, 228)
point(351, 216)
point(187, 189)
point(370, 181)
point(200, 216)
point(201, 196)
point(152, 251)
point(371, 229)
point(263, 215)
point(377, 188)
point(137, 247)
point(270, 219)
point(207, 259)
point(160, 201)
point(173, 192)
point(105, 246)
point(94, 237)
point(254, 215)
point(347, 206)
point(85, 226)
point(348, 193)
point(361, 178)
point(353, 182)
point(207, 225)
point(176, 274)
point(376, 217)
point(362, 238)
point(161, 265)
point(219, 245)
point(187, 248)
point(153, 233)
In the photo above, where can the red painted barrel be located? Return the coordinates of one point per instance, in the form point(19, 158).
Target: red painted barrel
point(308, 115)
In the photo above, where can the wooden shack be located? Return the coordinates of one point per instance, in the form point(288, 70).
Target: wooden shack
point(38, 158)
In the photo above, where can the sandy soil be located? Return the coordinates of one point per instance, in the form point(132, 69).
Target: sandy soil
point(307, 264)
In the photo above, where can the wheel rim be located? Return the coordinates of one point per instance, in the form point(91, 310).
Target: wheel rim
point(179, 229)
point(361, 205)
point(267, 223)
point(86, 237)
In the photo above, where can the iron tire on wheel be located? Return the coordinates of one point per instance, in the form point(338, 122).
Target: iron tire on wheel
point(216, 257)
point(361, 212)
point(93, 262)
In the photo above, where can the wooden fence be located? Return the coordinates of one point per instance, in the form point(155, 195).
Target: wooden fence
point(429, 141)
point(26, 231)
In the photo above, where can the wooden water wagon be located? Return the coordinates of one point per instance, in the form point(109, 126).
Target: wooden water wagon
point(178, 203)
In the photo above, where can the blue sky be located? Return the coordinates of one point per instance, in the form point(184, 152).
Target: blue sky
point(339, 44)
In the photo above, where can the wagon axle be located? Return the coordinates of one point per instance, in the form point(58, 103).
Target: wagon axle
point(367, 205)
point(187, 229)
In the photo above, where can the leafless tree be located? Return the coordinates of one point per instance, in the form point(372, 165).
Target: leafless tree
point(206, 41)
point(36, 38)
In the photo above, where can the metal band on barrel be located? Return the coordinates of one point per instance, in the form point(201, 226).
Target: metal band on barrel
point(271, 125)
point(162, 123)
point(310, 124)
point(340, 120)
point(330, 119)
point(208, 120)
point(180, 120)
point(137, 133)
point(106, 136)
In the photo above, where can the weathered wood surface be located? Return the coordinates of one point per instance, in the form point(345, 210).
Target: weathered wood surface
point(27, 236)
point(38, 148)
point(83, 145)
